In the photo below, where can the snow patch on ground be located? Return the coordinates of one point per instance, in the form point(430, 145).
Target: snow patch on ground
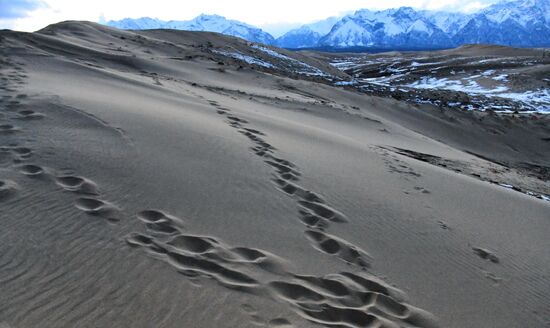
point(467, 86)
point(247, 59)
point(305, 69)
point(538, 100)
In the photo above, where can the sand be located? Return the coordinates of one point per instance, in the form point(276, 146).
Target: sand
point(145, 184)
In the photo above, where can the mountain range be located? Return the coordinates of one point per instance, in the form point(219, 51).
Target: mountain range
point(519, 23)
point(210, 23)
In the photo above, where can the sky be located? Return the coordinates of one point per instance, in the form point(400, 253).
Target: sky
point(273, 16)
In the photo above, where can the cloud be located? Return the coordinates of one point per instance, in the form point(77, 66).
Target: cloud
point(12, 9)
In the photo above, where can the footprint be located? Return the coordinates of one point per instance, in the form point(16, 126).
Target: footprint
point(249, 254)
point(22, 151)
point(159, 222)
point(443, 225)
point(265, 260)
point(236, 119)
point(295, 292)
point(254, 131)
point(228, 277)
point(313, 221)
point(422, 190)
point(295, 190)
point(493, 277)
point(283, 169)
point(31, 170)
point(323, 211)
point(8, 128)
point(98, 207)
point(29, 115)
point(8, 188)
point(486, 254)
point(77, 184)
point(138, 239)
point(248, 309)
point(350, 300)
point(193, 244)
point(335, 246)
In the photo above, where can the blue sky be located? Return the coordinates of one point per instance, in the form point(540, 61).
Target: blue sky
point(273, 16)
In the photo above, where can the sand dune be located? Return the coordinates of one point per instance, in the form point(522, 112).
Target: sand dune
point(169, 178)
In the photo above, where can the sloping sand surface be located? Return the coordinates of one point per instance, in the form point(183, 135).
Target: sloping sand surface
point(144, 184)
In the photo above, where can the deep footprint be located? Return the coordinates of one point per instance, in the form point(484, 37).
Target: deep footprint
point(159, 222)
point(31, 170)
point(338, 247)
point(77, 184)
point(97, 207)
point(486, 254)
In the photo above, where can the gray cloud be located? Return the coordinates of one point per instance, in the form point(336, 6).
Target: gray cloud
point(11, 9)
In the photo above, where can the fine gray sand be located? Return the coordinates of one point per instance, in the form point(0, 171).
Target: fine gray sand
point(148, 181)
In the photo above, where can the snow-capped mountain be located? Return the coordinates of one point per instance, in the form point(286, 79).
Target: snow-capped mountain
point(520, 23)
point(523, 23)
point(450, 23)
point(303, 37)
point(210, 23)
point(402, 27)
point(307, 35)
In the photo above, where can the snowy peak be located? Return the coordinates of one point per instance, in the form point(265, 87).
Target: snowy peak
point(348, 33)
point(520, 23)
point(391, 28)
point(523, 23)
point(302, 37)
point(307, 35)
point(207, 23)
